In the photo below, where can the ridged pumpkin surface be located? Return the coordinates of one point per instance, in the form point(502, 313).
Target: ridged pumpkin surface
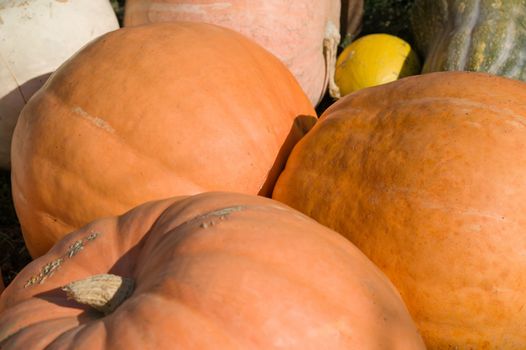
point(146, 113)
point(212, 271)
point(426, 175)
point(295, 31)
point(473, 35)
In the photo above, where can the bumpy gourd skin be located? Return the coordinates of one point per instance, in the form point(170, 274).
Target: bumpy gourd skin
point(426, 176)
point(474, 35)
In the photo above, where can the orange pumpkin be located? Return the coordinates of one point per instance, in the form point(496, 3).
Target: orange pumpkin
point(427, 177)
point(304, 34)
point(213, 270)
point(149, 112)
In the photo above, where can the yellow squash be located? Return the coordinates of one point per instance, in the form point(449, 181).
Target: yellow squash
point(372, 60)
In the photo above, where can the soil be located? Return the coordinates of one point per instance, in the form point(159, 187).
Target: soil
point(14, 255)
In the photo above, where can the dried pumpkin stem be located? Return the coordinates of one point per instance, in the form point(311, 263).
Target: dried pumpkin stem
point(103, 292)
point(330, 48)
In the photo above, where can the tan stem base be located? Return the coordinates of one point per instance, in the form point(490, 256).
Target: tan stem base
point(102, 292)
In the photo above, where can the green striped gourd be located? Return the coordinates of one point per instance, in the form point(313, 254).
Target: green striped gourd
point(473, 35)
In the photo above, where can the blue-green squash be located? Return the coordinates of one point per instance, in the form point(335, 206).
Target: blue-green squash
point(471, 35)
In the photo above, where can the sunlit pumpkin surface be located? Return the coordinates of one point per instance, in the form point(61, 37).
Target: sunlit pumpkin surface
point(212, 271)
point(426, 175)
point(150, 112)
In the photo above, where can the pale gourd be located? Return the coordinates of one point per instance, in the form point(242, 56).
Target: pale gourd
point(35, 38)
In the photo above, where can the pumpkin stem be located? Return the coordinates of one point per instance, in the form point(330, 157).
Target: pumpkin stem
point(330, 48)
point(103, 292)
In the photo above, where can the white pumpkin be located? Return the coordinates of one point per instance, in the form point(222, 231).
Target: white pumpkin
point(36, 36)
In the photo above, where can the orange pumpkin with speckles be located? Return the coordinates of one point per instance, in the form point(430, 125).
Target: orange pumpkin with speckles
point(426, 176)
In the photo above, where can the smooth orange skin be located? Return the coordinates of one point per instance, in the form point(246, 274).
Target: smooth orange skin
point(216, 270)
point(150, 112)
point(426, 176)
point(292, 30)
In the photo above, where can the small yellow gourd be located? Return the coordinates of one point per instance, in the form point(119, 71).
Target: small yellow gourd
point(372, 60)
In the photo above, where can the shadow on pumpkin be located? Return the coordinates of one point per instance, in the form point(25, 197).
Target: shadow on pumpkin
point(16, 99)
point(11, 105)
point(15, 255)
point(301, 125)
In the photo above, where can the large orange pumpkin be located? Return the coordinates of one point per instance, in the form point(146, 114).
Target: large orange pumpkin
point(304, 34)
point(149, 112)
point(215, 270)
point(427, 177)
